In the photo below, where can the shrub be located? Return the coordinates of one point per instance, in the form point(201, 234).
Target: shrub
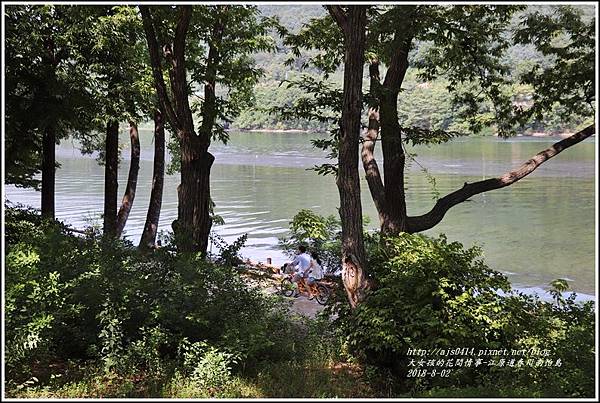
point(71, 297)
point(431, 293)
point(319, 234)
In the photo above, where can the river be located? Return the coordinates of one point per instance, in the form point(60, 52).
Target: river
point(537, 230)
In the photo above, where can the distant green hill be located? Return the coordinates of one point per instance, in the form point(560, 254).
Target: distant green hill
point(422, 104)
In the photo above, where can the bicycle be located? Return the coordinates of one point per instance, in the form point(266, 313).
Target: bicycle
point(287, 289)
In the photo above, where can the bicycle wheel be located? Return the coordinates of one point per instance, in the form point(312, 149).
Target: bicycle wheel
point(322, 294)
point(287, 287)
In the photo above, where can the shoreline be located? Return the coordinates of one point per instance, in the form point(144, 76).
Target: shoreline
point(543, 134)
point(541, 291)
point(272, 130)
point(532, 135)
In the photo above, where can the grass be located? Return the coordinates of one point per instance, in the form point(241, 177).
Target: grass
point(278, 380)
point(283, 379)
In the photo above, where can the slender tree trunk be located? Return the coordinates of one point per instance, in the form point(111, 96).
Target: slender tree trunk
point(110, 178)
point(372, 173)
point(393, 166)
point(202, 218)
point(158, 175)
point(354, 273)
point(134, 168)
point(48, 172)
point(391, 141)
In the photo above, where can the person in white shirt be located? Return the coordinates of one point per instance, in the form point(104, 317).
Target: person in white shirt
point(302, 263)
point(313, 274)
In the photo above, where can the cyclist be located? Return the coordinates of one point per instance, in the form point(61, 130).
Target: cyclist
point(302, 263)
point(313, 274)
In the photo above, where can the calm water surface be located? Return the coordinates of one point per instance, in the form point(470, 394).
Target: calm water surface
point(536, 230)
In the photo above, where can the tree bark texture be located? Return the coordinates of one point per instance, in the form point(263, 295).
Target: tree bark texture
point(51, 61)
point(372, 172)
point(110, 178)
point(435, 215)
point(132, 178)
point(354, 274)
point(48, 172)
point(193, 224)
point(194, 196)
point(388, 193)
point(148, 238)
point(391, 144)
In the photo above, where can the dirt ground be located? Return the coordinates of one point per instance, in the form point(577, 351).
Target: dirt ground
point(269, 282)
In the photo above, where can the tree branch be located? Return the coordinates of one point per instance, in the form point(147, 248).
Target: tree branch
point(161, 88)
point(209, 108)
point(433, 217)
point(370, 166)
point(339, 16)
point(179, 73)
point(398, 64)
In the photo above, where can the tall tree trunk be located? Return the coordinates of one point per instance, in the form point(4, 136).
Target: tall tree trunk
point(202, 218)
point(110, 178)
point(193, 223)
point(48, 172)
point(391, 142)
point(148, 238)
point(51, 60)
point(354, 273)
point(132, 178)
point(196, 160)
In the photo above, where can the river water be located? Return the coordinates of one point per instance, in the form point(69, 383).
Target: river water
point(536, 230)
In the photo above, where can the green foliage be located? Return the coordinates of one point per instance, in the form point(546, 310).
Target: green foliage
point(423, 284)
point(45, 88)
point(320, 234)
point(567, 37)
point(207, 366)
point(228, 254)
point(70, 297)
point(469, 56)
point(467, 75)
point(153, 317)
point(430, 293)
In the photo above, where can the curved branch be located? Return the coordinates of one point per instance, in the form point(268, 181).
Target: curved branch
point(339, 16)
point(433, 217)
point(180, 93)
point(132, 179)
point(372, 173)
point(398, 64)
point(159, 82)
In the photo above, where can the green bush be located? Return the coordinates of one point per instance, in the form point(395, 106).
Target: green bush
point(431, 293)
point(320, 234)
point(95, 300)
point(89, 298)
